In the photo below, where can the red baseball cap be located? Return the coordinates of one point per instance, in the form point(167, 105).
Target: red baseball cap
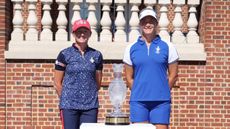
point(81, 23)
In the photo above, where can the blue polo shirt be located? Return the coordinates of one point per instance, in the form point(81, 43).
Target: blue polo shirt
point(150, 65)
point(79, 87)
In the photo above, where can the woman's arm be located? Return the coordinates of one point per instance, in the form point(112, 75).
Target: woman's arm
point(98, 78)
point(58, 78)
point(173, 74)
point(129, 75)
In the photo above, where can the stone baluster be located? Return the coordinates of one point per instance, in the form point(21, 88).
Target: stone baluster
point(106, 35)
point(17, 33)
point(46, 34)
point(76, 13)
point(150, 3)
point(76, 10)
point(92, 19)
point(32, 33)
point(61, 34)
point(178, 36)
point(192, 36)
point(134, 20)
point(120, 34)
point(164, 21)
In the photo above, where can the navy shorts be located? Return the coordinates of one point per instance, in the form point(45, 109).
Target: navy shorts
point(72, 119)
point(155, 112)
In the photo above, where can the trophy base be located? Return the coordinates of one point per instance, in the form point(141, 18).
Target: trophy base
point(117, 120)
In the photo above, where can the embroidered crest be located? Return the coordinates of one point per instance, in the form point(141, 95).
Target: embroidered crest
point(91, 60)
point(158, 50)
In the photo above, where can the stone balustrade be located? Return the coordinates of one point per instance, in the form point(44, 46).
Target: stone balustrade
point(114, 25)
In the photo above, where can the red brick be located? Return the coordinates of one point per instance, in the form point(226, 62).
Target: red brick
point(200, 101)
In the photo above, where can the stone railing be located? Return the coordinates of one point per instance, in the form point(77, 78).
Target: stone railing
point(114, 25)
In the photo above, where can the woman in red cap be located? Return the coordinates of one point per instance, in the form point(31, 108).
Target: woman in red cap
point(78, 74)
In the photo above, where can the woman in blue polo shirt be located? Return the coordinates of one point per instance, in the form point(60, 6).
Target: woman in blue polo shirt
point(151, 71)
point(78, 74)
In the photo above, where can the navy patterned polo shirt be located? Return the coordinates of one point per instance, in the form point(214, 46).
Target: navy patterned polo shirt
point(79, 87)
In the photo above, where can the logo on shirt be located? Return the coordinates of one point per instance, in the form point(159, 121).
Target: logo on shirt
point(91, 60)
point(158, 50)
point(59, 63)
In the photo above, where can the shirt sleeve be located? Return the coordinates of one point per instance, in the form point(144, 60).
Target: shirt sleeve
point(60, 63)
point(99, 65)
point(126, 58)
point(173, 55)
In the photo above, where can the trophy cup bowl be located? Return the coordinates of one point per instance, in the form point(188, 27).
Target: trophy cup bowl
point(117, 93)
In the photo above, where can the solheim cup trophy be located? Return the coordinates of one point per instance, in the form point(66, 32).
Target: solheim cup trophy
point(117, 93)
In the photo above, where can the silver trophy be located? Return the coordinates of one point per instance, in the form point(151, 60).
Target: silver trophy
point(117, 93)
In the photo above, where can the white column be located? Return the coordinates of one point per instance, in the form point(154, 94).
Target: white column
point(164, 21)
point(92, 19)
point(17, 33)
point(46, 34)
point(61, 21)
point(150, 3)
point(192, 36)
point(76, 10)
point(32, 33)
point(134, 20)
point(76, 13)
point(106, 35)
point(120, 34)
point(178, 36)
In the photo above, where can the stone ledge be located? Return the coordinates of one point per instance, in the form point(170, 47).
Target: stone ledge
point(110, 51)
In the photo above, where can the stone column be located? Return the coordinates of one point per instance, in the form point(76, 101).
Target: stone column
point(192, 36)
point(32, 20)
point(163, 22)
point(17, 33)
point(134, 20)
point(178, 36)
point(46, 34)
point(61, 21)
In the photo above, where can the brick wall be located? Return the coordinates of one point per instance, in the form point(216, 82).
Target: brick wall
point(3, 42)
point(200, 99)
point(217, 46)
point(32, 100)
